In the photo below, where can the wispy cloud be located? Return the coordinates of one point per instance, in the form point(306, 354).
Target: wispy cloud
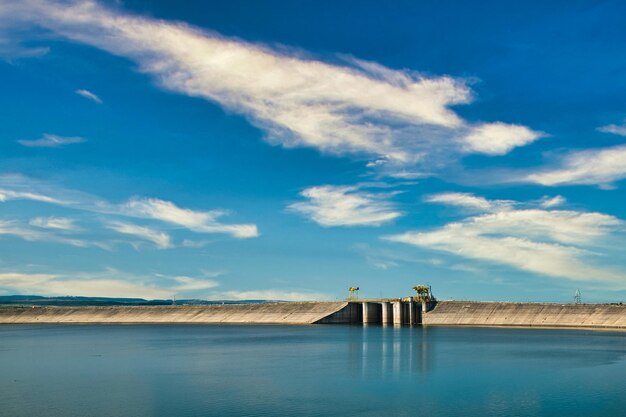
point(549, 202)
point(50, 141)
point(357, 107)
point(330, 205)
point(6, 195)
point(272, 294)
point(466, 200)
point(115, 283)
point(614, 129)
point(87, 286)
point(555, 243)
point(89, 95)
point(57, 223)
point(591, 167)
point(185, 283)
point(160, 239)
point(11, 50)
point(198, 221)
point(25, 232)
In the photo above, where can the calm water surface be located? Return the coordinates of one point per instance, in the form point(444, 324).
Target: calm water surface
point(309, 371)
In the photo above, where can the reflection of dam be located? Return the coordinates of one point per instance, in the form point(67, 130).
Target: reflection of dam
point(406, 311)
point(387, 351)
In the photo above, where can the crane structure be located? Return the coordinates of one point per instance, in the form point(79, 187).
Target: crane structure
point(353, 293)
point(424, 293)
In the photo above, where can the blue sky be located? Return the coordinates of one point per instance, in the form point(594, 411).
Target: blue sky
point(289, 150)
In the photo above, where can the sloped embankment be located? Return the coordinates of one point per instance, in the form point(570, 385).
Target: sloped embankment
point(470, 313)
point(278, 313)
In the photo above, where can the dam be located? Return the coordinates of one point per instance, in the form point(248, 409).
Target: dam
point(398, 312)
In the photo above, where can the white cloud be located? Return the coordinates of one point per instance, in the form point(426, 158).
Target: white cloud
point(614, 129)
point(188, 243)
point(466, 200)
point(499, 138)
point(6, 195)
point(594, 167)
point(54, 285)
point(89, 95)
point(549, 202)
point(355, 108)
point(58, 223)
point(554, 243)
point(20, 187)
point(160, 239)
point(193, 284)
point(278, 295)
point(113, 283)
point(197, 221)
point(559, 225)
point(14, 228)
point(50, 141)
point(330, 205)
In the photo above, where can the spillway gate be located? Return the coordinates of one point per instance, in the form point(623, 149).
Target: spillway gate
point(400, 312)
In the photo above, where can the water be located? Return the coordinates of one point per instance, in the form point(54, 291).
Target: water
point(309, 371)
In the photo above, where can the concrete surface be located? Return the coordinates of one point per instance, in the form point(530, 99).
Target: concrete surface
point(471, 313)
point(278, 313)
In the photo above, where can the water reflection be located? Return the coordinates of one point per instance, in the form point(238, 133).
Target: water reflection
point(390, 351)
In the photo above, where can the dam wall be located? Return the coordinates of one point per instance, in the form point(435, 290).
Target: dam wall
point(472, 313)
point(266, 313)
point(350, 313)
point(368, 312)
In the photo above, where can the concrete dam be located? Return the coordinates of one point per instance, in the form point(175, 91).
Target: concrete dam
point(370, 312)
point(266, 313)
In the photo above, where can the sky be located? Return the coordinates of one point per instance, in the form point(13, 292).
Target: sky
point(290, 150)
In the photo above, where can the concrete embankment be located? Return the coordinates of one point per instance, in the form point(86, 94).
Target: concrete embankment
point(267, 313)
point(446, 313)
point(470, 313)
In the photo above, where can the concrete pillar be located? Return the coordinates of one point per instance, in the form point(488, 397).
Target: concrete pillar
point(411, 313)
point(366, 312)
point(397, 312)
point(385, 313)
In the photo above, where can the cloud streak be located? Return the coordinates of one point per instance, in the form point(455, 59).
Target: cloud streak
point(588, 167)
point(51, 141)
point(554, 243)
point(87, 286)
point(198, 221)
point(55, 223)
point(160, 239)
point(88, 95)
point(15, 228)
point(272, 294)
point(358, 108)
point(331, 206)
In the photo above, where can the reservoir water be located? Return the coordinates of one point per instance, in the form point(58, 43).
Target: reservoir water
point(318, 370)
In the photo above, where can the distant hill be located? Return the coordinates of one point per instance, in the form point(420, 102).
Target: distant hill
point(106, 301)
